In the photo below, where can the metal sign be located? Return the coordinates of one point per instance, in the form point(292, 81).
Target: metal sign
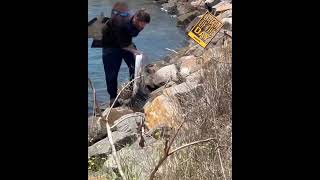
point(205, 29)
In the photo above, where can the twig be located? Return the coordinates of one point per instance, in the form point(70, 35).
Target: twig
point(175, 135)
point(114, 152)
point(126, 117)
point(227, 34)
point(107, 115)
point(224, 175)
point(190, 144)
point(167, 154)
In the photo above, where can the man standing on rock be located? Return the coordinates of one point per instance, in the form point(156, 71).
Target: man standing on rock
point(117, 44)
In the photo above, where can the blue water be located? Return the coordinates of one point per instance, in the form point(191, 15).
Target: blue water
point(160, 34)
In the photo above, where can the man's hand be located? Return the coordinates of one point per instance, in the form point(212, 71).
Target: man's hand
point(131, 48)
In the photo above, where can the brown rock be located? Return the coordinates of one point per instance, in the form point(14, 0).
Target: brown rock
point(159, 111)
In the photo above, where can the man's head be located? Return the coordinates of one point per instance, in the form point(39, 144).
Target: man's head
point(120, 13)
point(141, 19)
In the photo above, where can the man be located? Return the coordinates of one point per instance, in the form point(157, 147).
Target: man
point(117, 45)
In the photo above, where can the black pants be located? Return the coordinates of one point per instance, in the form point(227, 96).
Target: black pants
point(112, 58)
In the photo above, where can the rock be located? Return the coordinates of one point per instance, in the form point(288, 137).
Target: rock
point(227, 23)
point(170, 7)
point(164, 75)
point(195, 50)
point(189, 66)
point(195, 77)
point(212, 2)
point(192, 23)
point(161, 131)
point(185, 94)
point(225, 14)
point(216, 39)
point(185, 58)
point(207, 56)
point(185, 19)
point(120, 139)
point(159, 111)
point(97, 128)
point(129, 123)
point(197, 3)
point(140, 161)
point(148, 73)
point(182, 88)
point(184, 8)
point(222, 6)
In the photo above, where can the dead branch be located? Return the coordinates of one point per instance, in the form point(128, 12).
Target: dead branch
point(190, 144)
point(114, 152)
point(167, 153)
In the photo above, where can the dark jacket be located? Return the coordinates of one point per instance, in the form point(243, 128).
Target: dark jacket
point(116, 37)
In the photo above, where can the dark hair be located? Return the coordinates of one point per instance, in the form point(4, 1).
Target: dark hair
point(120, 4)
point(143, 16)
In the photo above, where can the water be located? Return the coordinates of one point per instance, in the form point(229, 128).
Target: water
point(160, 34)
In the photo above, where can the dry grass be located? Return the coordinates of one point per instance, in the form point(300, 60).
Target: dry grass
point(208, 114)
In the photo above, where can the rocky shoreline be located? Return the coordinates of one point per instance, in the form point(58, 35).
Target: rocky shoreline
point(164, 91)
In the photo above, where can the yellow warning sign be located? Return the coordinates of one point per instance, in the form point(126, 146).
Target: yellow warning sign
point(205, 29)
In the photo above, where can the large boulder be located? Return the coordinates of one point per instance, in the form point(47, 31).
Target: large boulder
point(165, 74)
point(160, 111)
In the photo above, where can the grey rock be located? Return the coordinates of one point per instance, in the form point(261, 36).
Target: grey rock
point(212, 2)
point(195, 77)
point(97, 128)
point(185, 19)
point(129, 123)
point(140, 160)
point(170, 7)
point(192, 23)
point(120, 139)
point(226, 14)
point(165, 74)
point(227, 23)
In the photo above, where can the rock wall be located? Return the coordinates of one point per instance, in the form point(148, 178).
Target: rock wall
point(163, 90)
